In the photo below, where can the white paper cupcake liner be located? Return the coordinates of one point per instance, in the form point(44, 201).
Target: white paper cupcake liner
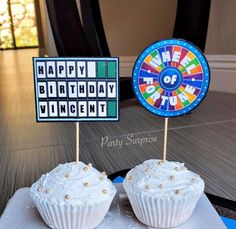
point(58, 216)
point(160, 212)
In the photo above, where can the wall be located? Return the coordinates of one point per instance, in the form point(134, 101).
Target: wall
point(131, 25)
point(221, 45)
point(222, 28)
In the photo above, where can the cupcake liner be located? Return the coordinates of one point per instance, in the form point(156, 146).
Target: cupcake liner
point(161, 212)
point(60, 216)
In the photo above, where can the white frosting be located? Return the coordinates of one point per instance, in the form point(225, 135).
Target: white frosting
point(75, 184)
point(164, 179)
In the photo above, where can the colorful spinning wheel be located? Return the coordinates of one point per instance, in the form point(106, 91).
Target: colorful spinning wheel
point(171, 77)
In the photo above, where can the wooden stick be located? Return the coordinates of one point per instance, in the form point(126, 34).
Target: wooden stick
point(165, 139)
point(77, 142)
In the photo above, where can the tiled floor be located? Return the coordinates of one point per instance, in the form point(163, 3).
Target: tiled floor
point(205, 140)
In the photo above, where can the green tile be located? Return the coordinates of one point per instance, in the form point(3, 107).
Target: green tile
point(101, 69)
point(147, 95)
point(111, 108)
point(183, 70)
point(111, 69)
point(186, 103)
point(154, 53)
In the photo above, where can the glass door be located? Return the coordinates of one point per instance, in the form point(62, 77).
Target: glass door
point(17, 24)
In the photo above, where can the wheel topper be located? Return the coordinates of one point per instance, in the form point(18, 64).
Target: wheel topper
point(171, 77)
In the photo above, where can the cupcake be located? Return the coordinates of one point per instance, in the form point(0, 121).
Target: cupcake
point(73, 196)
point(163, 193)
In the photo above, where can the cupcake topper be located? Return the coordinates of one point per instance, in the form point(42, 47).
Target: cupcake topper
point(170, 78)
point(76, 90)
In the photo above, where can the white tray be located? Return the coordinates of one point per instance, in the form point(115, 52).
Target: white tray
point(21, 213)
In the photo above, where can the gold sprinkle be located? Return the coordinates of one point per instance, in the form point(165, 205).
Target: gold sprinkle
point(195, 178)
point(146, 170)
point(101, 178)
point(90, 165)
point(86, 184)
point(130, 177)
point(160, 186)
point(177, 191)
point(147, 186)
point(47, 190)
point(67, 197)
point(172, 177)
point(104, 191)
point(67, 175)
point(104, 173)
point(39, 189)
point(85, 168)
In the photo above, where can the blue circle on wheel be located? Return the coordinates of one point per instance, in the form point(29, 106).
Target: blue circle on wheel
point(170, 78)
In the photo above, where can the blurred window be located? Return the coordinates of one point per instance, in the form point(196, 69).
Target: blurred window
point(17, 24)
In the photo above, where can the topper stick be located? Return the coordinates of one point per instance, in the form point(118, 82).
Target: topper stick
point(77, 142)
point(165, 139)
